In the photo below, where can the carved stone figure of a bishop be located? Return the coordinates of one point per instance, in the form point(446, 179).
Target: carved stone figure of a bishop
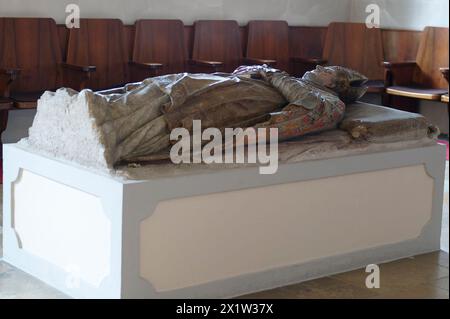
point(103, 129)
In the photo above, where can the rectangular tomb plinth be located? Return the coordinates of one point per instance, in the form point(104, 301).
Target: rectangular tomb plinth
point(217, 233)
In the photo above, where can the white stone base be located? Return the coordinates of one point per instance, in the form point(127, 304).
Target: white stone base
point(217, 234)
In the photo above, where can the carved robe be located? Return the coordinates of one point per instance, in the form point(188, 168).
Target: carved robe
point(136, 121)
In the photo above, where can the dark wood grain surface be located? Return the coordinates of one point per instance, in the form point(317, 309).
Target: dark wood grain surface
point(31, 45)
point(432, 55)
point(160, 41)
point(400, 45)
point(269, 40)
point(218, 40)
point(100, 43)
point(355, 46)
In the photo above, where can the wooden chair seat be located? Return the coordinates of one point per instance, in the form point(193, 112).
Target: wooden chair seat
point(416, 92)
point(444, 98)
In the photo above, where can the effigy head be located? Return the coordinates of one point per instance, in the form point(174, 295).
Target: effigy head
point(348, 84)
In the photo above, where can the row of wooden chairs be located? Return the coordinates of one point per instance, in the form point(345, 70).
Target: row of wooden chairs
point(31, 59)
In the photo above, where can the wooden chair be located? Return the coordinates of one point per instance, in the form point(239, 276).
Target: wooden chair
point(421, 79)
point(159, 48)
point(357, 47)
point(99, 47)
point(30, 59)
point(30, 63)
point(217, 46)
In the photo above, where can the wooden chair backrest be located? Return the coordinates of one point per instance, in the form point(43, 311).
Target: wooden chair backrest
point(32, 45)
point(269, 40)
point(307, 42)
point(400, 45)
point(161, 41)
point(100, 42)
point(355, 46)
point(218, 40)
point(432, 55)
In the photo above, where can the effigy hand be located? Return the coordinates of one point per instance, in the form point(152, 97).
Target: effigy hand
point(256, 71)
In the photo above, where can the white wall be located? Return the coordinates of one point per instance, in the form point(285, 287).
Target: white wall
point(404, 14)
point(296, 12)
